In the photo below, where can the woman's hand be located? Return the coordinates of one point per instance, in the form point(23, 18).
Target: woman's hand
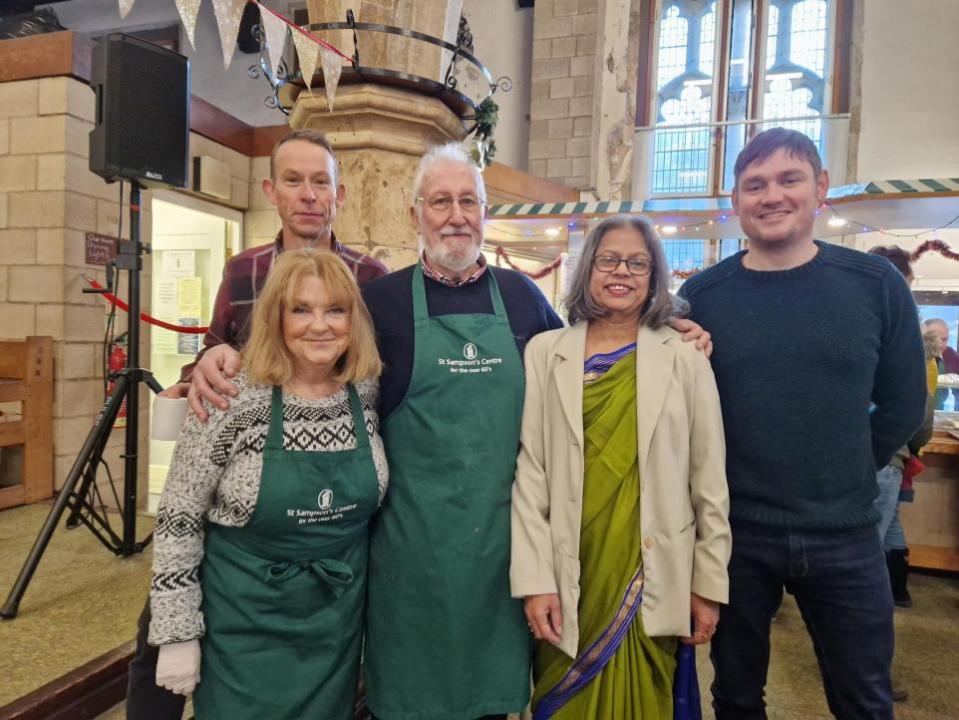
point(178, 666)
point(692, 331)
point(207, 381)
point(544, 617)
point(705, 616)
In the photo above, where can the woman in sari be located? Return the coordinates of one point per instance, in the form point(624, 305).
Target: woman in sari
point(620, 536)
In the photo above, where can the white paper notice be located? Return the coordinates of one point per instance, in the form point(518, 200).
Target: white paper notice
point(178, 263)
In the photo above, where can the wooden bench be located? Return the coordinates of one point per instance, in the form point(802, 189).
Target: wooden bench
point(26, 377)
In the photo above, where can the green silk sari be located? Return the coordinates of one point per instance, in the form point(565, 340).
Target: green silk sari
point(636, 682)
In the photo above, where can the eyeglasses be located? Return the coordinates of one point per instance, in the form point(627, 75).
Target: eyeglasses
point(610, 263)
point(469, 204)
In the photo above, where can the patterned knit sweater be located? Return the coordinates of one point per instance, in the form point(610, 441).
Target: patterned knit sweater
point(215, 477)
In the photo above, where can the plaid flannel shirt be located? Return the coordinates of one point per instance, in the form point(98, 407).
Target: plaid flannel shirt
point(243, 278)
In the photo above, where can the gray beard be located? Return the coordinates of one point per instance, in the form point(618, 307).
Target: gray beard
point(441, 258)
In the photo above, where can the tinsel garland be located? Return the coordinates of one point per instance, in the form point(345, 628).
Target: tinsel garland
point(684, 274)
point(934, 245)
point(536, 274)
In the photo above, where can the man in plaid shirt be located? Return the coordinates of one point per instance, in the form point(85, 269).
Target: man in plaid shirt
point(305, 189)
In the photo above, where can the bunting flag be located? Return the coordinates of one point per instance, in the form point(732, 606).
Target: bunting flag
point(332, 67)
point(125, 7)
point(188, 10)
point(275, 31)
point(228, 14)
point(308, 52)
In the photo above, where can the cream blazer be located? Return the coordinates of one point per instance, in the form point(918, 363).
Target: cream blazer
point(684, 500)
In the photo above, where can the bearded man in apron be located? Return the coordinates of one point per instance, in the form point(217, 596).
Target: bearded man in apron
point(445, 641)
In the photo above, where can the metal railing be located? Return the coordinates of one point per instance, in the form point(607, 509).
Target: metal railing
point(696, 159)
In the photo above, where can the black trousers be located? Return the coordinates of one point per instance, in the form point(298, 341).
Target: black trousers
point(145, 699)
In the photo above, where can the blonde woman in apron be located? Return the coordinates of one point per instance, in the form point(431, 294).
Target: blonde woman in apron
point(262, 532)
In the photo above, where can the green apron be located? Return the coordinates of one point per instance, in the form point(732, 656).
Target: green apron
point(283, 596)
point(445, 640)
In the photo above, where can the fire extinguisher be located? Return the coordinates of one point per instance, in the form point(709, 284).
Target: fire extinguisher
point(116, 361)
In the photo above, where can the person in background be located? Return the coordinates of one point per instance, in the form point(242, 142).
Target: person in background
point(261, 547)
point(891, 478)
point(619, 519)
point(947, 363)
point(306, 189)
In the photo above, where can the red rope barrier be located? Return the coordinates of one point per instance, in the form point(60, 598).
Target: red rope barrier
point(114, 300)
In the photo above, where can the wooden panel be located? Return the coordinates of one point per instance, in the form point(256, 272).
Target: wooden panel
point(264, 138)
point(12, 391)
point(211, 122)
point(506, 186)
point(11, 496)
point(46, 55)
point(13, 357)
point(11, 433)
point(88, 691)
point(934, 558)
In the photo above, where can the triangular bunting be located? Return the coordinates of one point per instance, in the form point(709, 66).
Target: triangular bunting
point(228, 14)
point(188, 10)
point(125, 7)
point(308, 51)
point(275, 30)
point(332, 67)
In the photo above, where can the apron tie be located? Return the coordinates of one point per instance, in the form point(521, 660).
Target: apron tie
point(334, 573)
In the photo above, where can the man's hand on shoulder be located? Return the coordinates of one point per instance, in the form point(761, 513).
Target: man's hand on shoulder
point(207, 381)
point(694, 332)
point(176, 391)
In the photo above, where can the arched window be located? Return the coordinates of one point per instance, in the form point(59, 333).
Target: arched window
point(722, 70)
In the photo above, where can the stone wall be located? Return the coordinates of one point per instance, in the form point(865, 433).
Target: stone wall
point(563, 72)
point(585, 60)
point(49, 200)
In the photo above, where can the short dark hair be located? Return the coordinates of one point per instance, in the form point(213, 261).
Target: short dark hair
point(310, 136)
point(769, 141)
point(900, 259)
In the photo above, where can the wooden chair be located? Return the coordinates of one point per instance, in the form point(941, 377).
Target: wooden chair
point(26, 376)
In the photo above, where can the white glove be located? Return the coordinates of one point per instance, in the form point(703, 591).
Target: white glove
point(178, 666)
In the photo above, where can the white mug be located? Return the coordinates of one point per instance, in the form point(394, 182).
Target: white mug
point(168, 417)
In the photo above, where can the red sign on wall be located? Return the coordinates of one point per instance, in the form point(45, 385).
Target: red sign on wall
point(100, 249)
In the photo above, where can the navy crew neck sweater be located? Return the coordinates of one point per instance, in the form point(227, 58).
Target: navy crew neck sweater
point(820, 373)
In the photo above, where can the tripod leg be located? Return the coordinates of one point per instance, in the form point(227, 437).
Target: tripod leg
point(100, 429)
point(90, 472)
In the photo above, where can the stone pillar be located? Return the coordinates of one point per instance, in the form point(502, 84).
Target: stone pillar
point(380, 132)
point(439, 18)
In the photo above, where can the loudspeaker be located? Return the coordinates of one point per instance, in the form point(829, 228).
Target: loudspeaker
point(142, 129)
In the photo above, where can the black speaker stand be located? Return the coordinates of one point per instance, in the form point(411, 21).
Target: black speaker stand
point(84, 502)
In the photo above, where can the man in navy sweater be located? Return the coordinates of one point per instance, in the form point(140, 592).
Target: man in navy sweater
point(819, 364)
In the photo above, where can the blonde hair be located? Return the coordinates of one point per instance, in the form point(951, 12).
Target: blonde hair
point(265, 355)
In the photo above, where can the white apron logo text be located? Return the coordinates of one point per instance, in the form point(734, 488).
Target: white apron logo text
point(471, 364)
point(326, 512)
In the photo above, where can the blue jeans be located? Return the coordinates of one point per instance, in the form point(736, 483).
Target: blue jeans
point(841, 586)
point(891, 535)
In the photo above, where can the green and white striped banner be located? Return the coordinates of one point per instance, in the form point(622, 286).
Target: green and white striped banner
point(678, 205)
